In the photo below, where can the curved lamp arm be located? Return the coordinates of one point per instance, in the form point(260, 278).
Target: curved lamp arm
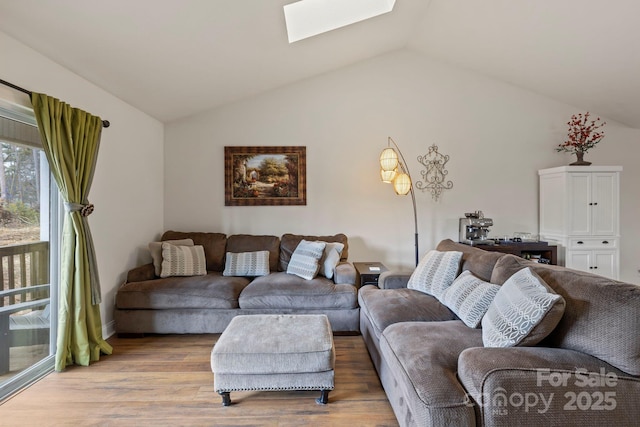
point(405, 169)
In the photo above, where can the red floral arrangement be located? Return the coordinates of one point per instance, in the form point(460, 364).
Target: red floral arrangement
point(584, 134)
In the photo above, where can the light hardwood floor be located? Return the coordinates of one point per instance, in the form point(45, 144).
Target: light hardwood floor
point(167, 381)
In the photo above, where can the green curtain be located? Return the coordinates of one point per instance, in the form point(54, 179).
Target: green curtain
point(71, 138)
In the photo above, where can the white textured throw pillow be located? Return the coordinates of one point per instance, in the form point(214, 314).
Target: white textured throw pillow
point(435, 272)
point(330, 258)
point(183, 260)
point(246, 264)
point(305, 260)
point(469, 298)
point(523, 303)
point(155, 248)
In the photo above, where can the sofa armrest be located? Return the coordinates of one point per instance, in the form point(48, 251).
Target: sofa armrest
point(394, 279)
point(532, 385)
point(344, 273)
point(141, 273)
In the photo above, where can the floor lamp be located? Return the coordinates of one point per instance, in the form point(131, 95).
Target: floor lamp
point(394, 170)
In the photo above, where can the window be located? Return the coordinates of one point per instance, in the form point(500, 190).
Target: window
point(308, 18)
point(28, 248)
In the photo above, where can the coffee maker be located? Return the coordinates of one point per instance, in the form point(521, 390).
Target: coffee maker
point(474, 228)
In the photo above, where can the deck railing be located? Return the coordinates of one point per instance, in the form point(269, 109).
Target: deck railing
point(22, 266)
point(24, 276)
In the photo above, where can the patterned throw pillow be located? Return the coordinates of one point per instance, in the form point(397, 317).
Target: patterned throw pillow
point(469, 298)
point(305, 260)
point(524, 311)
point(155, 248)
point(330, 258)
point(183, 260)
point(435, 272)
point(246, 264)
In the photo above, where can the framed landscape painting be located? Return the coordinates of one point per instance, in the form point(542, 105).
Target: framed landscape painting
point(265, 176)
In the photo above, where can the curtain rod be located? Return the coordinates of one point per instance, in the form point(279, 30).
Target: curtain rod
point(105, 123)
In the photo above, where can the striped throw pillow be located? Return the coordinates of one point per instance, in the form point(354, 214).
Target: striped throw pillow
point(305, 260)
point(250, 264)
point(435, 272)
point(469, 298)
point(183, 260)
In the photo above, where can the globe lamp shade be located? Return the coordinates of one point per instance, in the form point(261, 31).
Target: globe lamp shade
point(388, 159)
point(388, 176)
point(402, 184)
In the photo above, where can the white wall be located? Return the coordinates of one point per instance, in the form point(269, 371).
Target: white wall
point(497, 136)
point(128, 184)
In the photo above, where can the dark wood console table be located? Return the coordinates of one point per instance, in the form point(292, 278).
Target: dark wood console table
point(528, 250)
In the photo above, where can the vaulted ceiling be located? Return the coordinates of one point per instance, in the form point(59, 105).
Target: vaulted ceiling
point(175, 58)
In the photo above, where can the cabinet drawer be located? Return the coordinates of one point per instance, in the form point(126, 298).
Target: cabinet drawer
point(593, 243)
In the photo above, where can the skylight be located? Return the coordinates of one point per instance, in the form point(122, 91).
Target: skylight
point(307, 18)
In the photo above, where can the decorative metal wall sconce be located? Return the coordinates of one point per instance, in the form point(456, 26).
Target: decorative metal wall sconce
point(434, 175)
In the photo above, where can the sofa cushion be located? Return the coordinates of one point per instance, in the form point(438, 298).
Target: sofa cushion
point(249, 264)
point(214, 245)
point(182, 260)
point(287, 291)
point(469, 298)
point(524, 311)
point(210, 291)
point(385, 307)
point(601, 314)
point(289, 242)
point(305, 260)
point(155, 249)
point(435, 272)
point(330, 258)
point(423, 357)
point(475, 260)
point(249, 243)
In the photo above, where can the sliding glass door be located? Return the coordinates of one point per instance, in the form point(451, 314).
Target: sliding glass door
point(28, 230)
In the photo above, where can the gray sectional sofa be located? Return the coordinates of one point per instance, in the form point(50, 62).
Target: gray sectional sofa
point(147, 303)
point(436, 371)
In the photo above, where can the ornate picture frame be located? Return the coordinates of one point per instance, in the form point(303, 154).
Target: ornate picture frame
point(265, 176)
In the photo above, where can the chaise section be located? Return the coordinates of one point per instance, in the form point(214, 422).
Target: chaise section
point(586, 371)
point(423, 356)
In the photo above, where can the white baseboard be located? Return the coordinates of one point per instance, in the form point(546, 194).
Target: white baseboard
point(109, 329)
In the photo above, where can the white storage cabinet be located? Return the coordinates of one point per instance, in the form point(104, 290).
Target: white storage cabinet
point(580, 211)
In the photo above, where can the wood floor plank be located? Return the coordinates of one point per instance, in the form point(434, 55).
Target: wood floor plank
point(166, 380)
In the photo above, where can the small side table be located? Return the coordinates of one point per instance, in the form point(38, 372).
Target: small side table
point(368, 272)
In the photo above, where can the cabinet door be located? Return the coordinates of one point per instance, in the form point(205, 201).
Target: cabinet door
point(605, 263)
point(579, 260)
point(552, 204)
point(601, 262)
point(579, 209)
point(605, 203)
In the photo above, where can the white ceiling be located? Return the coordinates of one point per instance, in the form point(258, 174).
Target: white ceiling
point(175, 58)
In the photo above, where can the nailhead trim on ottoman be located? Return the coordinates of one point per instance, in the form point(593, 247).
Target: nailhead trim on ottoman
point(274, 352)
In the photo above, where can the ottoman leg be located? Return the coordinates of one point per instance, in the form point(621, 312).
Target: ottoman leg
point(226, 398)
point(324, 397)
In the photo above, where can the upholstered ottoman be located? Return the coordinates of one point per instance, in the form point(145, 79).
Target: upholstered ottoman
point(274, 352)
